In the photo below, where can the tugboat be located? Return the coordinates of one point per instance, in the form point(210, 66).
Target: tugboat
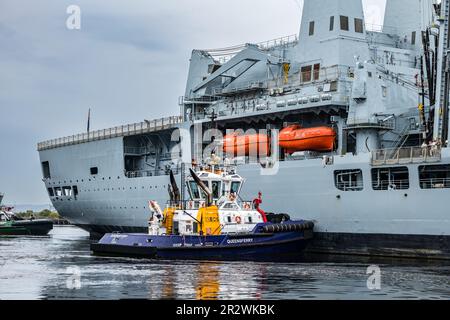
point(215, 224)
point(11, 225)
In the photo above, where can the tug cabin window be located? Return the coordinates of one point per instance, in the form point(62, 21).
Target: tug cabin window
point(194, 190)
point(396, 178)
point(235, 186)
point(434, 177)
point(349, 180)
point(216, 185)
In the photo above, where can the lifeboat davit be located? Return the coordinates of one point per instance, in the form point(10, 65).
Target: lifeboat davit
point(295, 138)
point(257, 145)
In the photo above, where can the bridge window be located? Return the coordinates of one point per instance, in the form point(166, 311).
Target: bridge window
point(311, 28)
point(316, 71)
point(67, 191)
point(58, 191)
point(306, 73)
point(359, 25)
point(344, 23)
point(50, 192)
point(75, 191)
point(331, 23)
point(390, 178)
point(434, 177)
point(349, 180)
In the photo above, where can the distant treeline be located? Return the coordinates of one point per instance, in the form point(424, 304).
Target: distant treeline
point(44, 214)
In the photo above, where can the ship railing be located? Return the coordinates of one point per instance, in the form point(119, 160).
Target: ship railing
point(406, 155)
point(278, 42)
point(350, 186)
point(223, 55)
point(136, 150)
point(245, 205)
point(435, 183)
point(400, 184)
point(151, 173)
point(120, 131)
point(372, 27)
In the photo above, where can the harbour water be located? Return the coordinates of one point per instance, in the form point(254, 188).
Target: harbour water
point(61, 266)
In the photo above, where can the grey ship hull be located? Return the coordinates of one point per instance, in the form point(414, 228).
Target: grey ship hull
point(312, 80)
point(408, 223)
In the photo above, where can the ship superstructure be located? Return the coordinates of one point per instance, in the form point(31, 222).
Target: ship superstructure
point(380, 189)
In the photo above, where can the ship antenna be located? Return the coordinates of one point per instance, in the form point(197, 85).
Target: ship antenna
point(89, 120)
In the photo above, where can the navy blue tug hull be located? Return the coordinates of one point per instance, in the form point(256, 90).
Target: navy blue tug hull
point(252, 246)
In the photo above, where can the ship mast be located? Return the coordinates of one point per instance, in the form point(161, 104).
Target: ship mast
point(441, 121)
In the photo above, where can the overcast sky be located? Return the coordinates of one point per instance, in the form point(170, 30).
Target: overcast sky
point(128, 62)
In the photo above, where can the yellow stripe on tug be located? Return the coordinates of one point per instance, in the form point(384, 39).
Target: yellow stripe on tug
point(209, 220)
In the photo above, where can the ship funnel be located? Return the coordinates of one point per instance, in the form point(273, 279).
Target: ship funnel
point(332, 32)
point(202, 186)
point(407, 18)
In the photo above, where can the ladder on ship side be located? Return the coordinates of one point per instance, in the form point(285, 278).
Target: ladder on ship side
point(442, 111)
point(400, 142)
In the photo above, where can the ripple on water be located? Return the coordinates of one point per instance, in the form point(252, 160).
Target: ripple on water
point(37, 268)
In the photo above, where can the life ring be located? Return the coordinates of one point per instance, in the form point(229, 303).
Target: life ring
point(231, 197)
point(247, 206)
point(238, 219)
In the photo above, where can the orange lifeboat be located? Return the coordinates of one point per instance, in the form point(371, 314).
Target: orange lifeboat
point(257, 145)
point(294, 138)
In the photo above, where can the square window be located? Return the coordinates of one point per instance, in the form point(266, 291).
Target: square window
point(359, 28)
point(306, 73)
point(316, 71)
point(390, 178)
point(94, 170)
point(344, 23)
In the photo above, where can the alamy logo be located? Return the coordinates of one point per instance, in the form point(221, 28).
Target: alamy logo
point(73, 22)
point(374, 280)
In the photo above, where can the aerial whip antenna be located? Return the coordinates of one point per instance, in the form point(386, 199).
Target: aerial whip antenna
point(89, 120)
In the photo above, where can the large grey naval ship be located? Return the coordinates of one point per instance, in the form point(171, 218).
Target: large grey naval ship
point(355, 116)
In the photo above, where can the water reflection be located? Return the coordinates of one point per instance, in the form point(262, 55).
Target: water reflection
point(208, 281)
point(36, 268)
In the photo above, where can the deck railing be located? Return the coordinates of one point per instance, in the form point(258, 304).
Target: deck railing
point(120, 131)
point(435, 183)
point(406, 155)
